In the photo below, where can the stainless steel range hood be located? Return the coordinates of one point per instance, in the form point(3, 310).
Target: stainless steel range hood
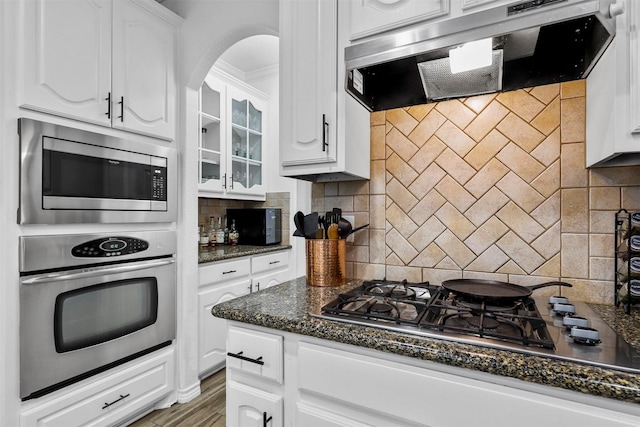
point(534, 42)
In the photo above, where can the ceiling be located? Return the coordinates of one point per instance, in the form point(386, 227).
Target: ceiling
point(253, 54)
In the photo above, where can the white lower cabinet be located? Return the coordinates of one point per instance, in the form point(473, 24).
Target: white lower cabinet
point(108, 399)
point(327, 384)
point(225, 280)
point(251, 407)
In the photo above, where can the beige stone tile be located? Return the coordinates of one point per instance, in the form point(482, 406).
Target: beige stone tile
point(486, 206)
point(520, 252)
point(614, 176)
point(357, 254)
point(419, 112)
point(457, 168)
point(427, 128)
point(400, 195)
point(479, 102)
point(401, 120)
point(400, 220)
point(520, 132)
point(486, 149)
point(388, 127)
point(548, 182)
point(486, 178)
point(455, 221)
point(575, 256)
point(426, 234)
point(546, 93)
point(520, 222)
point(604, 198)
point(575, 210)
point(521, 103)
point(429, 257)
point(393, 259)
point(602, 245)
point(549, 268)
point(602, 221)
point(401, 170)
point(400, 246)
point(486, 235)
point(331, 189)
point(573, 120)
point(457, 112)
point(510, 267)
point(549, 119)
point(548, 244)
point(631, 198)
point(426, 207)
point(572, 166)
point(401, 145)
point(377, 206)
point(352, 188)
point(317, 190)
point(489, 261)
point(412, 274)
point(377, 183)
point(520, 162)
point(520, 192)
point(549, 211)
point(427, 154)
point(455, 193)
point(361, 238)
point(455, 249)
point(436, 276)
point(426, 181)
point(591, 291)
point(377, 118)
point(447, 264)
point(343, 202)
point(573, 89)
point(378, 148)
point(549, 150)
point(486, 121)
point(368, 271)
point(455, 139)
point(377, 246)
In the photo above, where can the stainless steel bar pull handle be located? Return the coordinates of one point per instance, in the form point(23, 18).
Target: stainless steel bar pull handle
point(229, 272)
point(325, 133)
point(106, 404)
point(265, 420)
point(239, 355)
point(121, 116)
point(274, 262)
point(108, 99)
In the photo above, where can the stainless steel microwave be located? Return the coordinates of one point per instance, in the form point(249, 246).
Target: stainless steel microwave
point(70, 175)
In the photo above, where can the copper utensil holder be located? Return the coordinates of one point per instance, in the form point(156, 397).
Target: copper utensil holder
point(326, 264)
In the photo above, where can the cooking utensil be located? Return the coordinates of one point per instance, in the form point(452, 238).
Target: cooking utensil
point(344, 228)
point(310, 225)
point(493, 290)
point(298, 220)
point(332, 231)
point(356, 229)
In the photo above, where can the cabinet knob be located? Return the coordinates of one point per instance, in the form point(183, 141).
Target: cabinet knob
point(616, 9)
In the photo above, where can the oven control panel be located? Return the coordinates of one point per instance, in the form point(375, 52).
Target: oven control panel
point(109, 247)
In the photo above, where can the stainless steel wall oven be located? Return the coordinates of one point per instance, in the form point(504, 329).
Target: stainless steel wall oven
point(69, 175)
point(90, 302)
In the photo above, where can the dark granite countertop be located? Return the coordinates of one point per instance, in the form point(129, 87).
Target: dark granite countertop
point(286, 307)
point(220, 253)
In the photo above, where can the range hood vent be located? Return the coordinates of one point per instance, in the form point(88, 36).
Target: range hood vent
point(533, 43)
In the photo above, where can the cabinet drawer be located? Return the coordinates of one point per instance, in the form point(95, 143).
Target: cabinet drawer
point(108, 400)
point(272, 261)
point(255, 352)
point(224, 271)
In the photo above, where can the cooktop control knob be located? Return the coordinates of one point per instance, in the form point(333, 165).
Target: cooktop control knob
point(562, 309)
point(558, 300)
point(571, 321)
point(583, 335)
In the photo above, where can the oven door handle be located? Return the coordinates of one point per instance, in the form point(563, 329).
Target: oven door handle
point(96, 271)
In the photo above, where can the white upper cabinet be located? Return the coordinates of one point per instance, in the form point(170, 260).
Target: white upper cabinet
point(232, 140)
point(324, 134)
point(110, 63)
point(369, 17)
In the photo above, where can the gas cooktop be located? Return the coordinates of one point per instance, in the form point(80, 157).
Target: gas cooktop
point(556, 327)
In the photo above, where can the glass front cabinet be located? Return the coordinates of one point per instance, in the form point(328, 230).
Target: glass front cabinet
point(231, 141)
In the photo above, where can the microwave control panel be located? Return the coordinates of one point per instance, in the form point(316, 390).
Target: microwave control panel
point(109, 247)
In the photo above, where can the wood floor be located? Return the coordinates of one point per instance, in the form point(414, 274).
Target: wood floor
point(207, 410)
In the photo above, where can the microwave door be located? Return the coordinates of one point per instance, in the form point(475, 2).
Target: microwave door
point(80, 176)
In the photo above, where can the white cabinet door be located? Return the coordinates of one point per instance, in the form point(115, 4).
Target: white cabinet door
point(368, 17)
point(634, 57)
point(67, 58)
point(144, 83)
point(308, 105)
point(212, 148)
point(250, 407)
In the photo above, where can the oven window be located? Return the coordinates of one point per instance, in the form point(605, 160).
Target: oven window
point(101, 313)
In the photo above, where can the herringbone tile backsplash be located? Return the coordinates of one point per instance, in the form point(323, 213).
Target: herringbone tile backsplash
point(493, 186)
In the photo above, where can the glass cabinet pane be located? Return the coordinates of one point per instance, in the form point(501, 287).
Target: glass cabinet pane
point(239, 112)
point(238, 142)
point(240, 172)
point(210, 166)
point(255, 146)
point(255, 175)
point(210, 101)
point(211, 136)
point(255, 118)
